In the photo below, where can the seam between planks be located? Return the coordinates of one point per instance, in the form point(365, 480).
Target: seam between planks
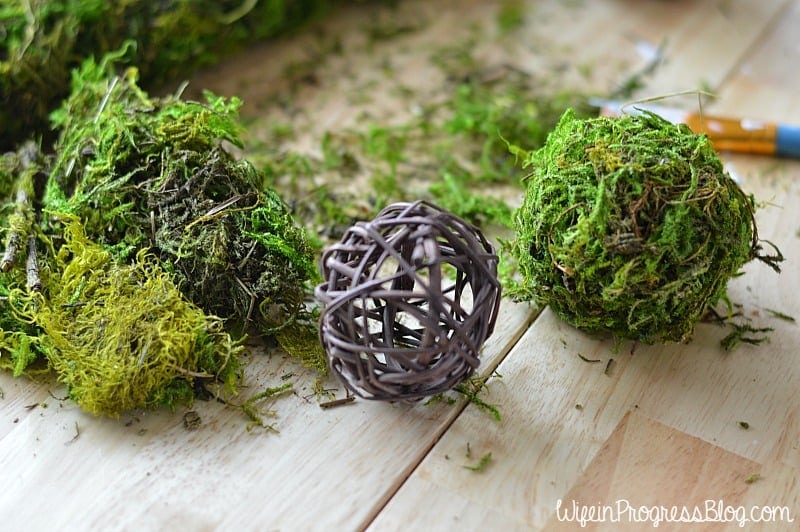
point(487, 372)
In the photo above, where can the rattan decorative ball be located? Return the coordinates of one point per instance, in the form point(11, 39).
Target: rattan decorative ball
point(409, 299)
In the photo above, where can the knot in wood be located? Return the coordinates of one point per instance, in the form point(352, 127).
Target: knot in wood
point(410, 297)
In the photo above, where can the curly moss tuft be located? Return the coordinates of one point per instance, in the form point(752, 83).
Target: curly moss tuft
point(631, 226)
point(122, 336)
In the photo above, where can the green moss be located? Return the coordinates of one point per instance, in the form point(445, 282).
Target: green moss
point(482, 464)
point(19, 335)
point(631, 226)
point(511, 16)
point(152, 243)
point(44, 39)
point(251, 411)
point(152, 173)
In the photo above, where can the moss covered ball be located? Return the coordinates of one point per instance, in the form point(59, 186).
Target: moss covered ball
point(630, 226)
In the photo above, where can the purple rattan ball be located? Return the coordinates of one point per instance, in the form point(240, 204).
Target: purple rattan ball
point(409, 299)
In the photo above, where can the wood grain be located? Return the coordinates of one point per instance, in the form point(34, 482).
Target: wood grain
point(564, 429)
point(648, 465)
point(146, 471)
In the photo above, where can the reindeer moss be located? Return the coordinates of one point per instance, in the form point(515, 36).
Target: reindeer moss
point(631, 226)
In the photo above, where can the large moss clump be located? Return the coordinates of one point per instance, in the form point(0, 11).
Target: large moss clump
point(143, 172)
point(631, 226)
point(42, 40)
point(139, 251)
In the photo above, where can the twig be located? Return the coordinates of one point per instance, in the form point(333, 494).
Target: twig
point(106, 96)
point(247, 257)
point(222, 206)
point(249, 292)
point(22, 218)
point(32, 266)
point(76, 436)
point(78, 304)
point(337, 402)
point(14, 235)
point(196, 374)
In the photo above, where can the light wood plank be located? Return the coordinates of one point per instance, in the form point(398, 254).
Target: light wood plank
point(765, 83)
point(642, 454)
point(146, 471)
point(544, 442)
point(778, 486)
point(337, 469)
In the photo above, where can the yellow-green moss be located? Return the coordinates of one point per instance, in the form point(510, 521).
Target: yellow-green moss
point(122, 336)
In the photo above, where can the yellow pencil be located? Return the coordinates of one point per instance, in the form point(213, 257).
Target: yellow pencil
point(726, 134)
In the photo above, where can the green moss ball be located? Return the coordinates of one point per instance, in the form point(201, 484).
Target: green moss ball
point(630, 226)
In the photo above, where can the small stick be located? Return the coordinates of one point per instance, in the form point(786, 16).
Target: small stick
point(247, 257)
point(32, 266)
point(197, 374)
point(77, 434)
point(20, 221)
point(106, 96)
point(252, 299)
point(222, 206)
point(337, 402)
point(14, 236)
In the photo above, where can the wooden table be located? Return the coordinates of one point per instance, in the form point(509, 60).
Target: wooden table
point(665, 426)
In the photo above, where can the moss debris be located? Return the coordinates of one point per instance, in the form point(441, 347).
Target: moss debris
point(482, 464)
point(631, 226)
point(452, 150)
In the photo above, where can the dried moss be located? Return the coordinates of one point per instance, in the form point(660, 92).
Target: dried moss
point(144, 172)
point(19, 336)
point(42, 40)
point(152, 242)
point(20, 172)
point(631, 226)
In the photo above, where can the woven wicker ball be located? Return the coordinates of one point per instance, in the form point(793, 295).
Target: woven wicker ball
point(409, 299)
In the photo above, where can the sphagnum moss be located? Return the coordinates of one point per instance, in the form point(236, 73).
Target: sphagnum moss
point(631, 226)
